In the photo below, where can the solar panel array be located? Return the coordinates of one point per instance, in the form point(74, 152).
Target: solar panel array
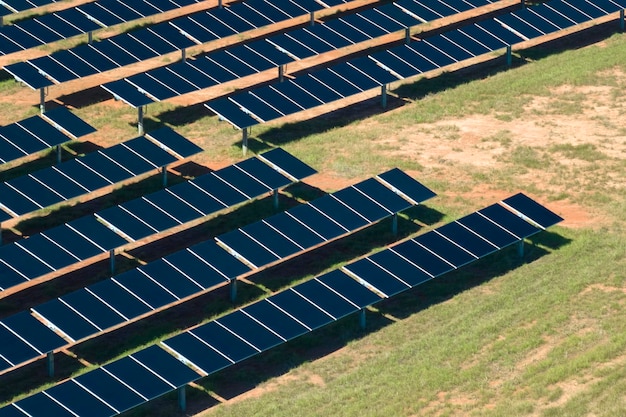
point(85, 18)
point(335, 82)
point(17, 6)
point(137, 378)
point(114, 227)
point(93, 171)
point(152, 41)
point(131, 295)
point(40, 132)
point(271, 52)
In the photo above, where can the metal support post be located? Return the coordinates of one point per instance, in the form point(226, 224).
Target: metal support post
point(394, 224)
point(233, 290)
point(219, 4)
point(407, 35)
point(276, 199)
point(312, 19)
point(1, 21)
point(42, 100)
point(621, 20)
point(112, 260)
point(362, 318)
point(59, 154)
point(281, 73)
point(383, 94)
point(244, 140)
point(50, 363)
point(164, 173)
point(90, 37)
point(140, 120)
point(509, 56)
point(183, 54)
point(182, 398)
point(520, 248)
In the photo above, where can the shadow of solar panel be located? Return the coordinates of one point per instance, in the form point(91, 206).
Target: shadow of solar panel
point(47, 251)
point(66, 319)
point(301, 309)
point(170, 278)
point(278, 243)
point(138, 378)
point(93, 309)
point(532, 210)
point(354, 292)
point(275, 319)
point(423, 258)
point(13, 350)
point(166, 366)
point(223, 341)
point(124, 302)
point(250, 330)
point(144, 288)
point(509, 221)
point(79, 400)
point(298, 232)
point(110, 389)
point(23, 262)
point(383, 195)
point(40, 405)
point(318, 222)
point(445, 249)
point(488, 230)
point(377, 277)
point(197, 269)
point(197, 353)
point(468, 240)
point(326, 299)
point(362, 204)
point(34, 332)
point(250, 250)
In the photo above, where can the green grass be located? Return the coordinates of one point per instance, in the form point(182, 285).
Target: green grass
point(542, 336)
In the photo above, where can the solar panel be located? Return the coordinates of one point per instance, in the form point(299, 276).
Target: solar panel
point(231, 112)
point(131, 96)
point(110, 389)
point(251, 330)
point(485, 228)
point(402, 268)
point(532, 210)
point(276, 320)
point(79, 401)
point(74, 325)
point(68, 122)
point(422, 257)
point(378, 278)
point(509, 221)
point(301, 309)
point(224, 341)
point(36, 404)
point(139, 378)
point(446, 249)
point(326, 299)
point(193, 351)
point(119, 299)
point(463, 237)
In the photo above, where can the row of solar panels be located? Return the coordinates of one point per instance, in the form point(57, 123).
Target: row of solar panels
point(131, 295)
point(63, 24)
point(153, 371)
point(254, 57)
point(16, 6)
point(114, 227)
point(379, 68)
point(93, 171)
point(149, 42)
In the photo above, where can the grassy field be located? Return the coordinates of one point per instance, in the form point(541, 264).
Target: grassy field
point(538, 336)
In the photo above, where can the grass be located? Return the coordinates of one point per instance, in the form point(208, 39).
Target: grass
point(542, 336)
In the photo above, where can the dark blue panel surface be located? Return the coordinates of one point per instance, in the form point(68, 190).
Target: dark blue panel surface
point(496, 29)
point(172, 37)
point(288, 163)
point(463, 41)
point(271, 239)
point(326, 299)
point(198, 270)
point(69, 122)
point(196, 198)
point(373, 71)
point(307, 39)
point(380, 19)
point(292, 47)
point(400, 267)
point(242, 181)
point(301, 309)
point(150, 214)
point(10, 277)
point(172, 80)
point(398, 180)
point(565, 9)
point(36, 191)
point(133, 46)
point(27, 74)
point(152, 87)
point(213, 254)
point(485, 228)
point(423, 258)
point(53, 69)
point(89, 179)
point(99, 14)
point(73, 242)
point(254, 105)
point(268, 176)
point(159, 157)
point(269, 52)
point(348, 30)
point(340, 212)
point(509, 221)
point(250, 250)
point(297, 94)
point(248, 14)
point(93, 309)
point(229, 111)
point(127, 92)
point(35, 404)
point(224, 341)
point(165, 365)
point(35, 332)
point(197, 352)
point(109, 389)
point(138, 377)
point(119, 299)
point(299, 233)
point(275, 99)
point(77, 399)
point(377, 277)
point(219, 189)
point(483, 37)
point(25, 140)
point(256, 334)
point(126, 223)
point(349, 288)
point(382, 195)
point(13, 349)
point(467, 239)
point(336, 83)
point(362, 204)
point(10, 410)
point(166, 275)
point(417, 9)
point(78, 19)
point(173, 206)
point(232, 20)
point(317, 89)
point(16, 202)
point(318, 222)
point(105, 167)
point(128, 159)
point(275, 319)
point(8, 151)
point(518, 26)
point(533, 210)
point(65, 319)
point(194, 76)
point(365, 25)
point(146, 289)
point(445, 249)
point(47, 251)
point(118, 55)
point(554, 17)
point(447, 47)
point(23, 262)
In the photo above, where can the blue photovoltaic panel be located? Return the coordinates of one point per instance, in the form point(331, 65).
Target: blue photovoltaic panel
point(32, 330)
point(400, 267)
point(488, 230)
point(148, 290)
point(316, 89)
point(79, 401)
point(110, 389)
point(226, 193)
point(166, 366)
point(335, 82)
point(36, 404)
point(119, 298)
point(285, 162)
point(339, 212)
point(467, 239)
point(532, 210)
point(92, 309)
point(11, 410)
point(252, 251)
point(24, 263)
point(256, 334)
point(383, 195)
point(47, 251)
point(73, 242)
point(243, 182)
point(318, 222)
point(131, 96)
point(68, 122)
point(171, 279)
point(150, 214)
point(194, 351)
point(444, 248)
point(326, 299)
point(224, 341)
point(275, 319)
point(301, 309)
point(402, 182)
point(195, 197)
point(200, 271)
point(138, 377)
point(255, 106)
point(362, 204)
point(69, 321)
point(13, 350)
point(173, 206)
point(126, 223)
point(277, 100)
point(509, 221)
point(229, 111)
point(423, 258)
point(268, 176)
point(278, 243)
point(377, 277)
point(342, 284)
point(299, 233)
point(98, 233)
